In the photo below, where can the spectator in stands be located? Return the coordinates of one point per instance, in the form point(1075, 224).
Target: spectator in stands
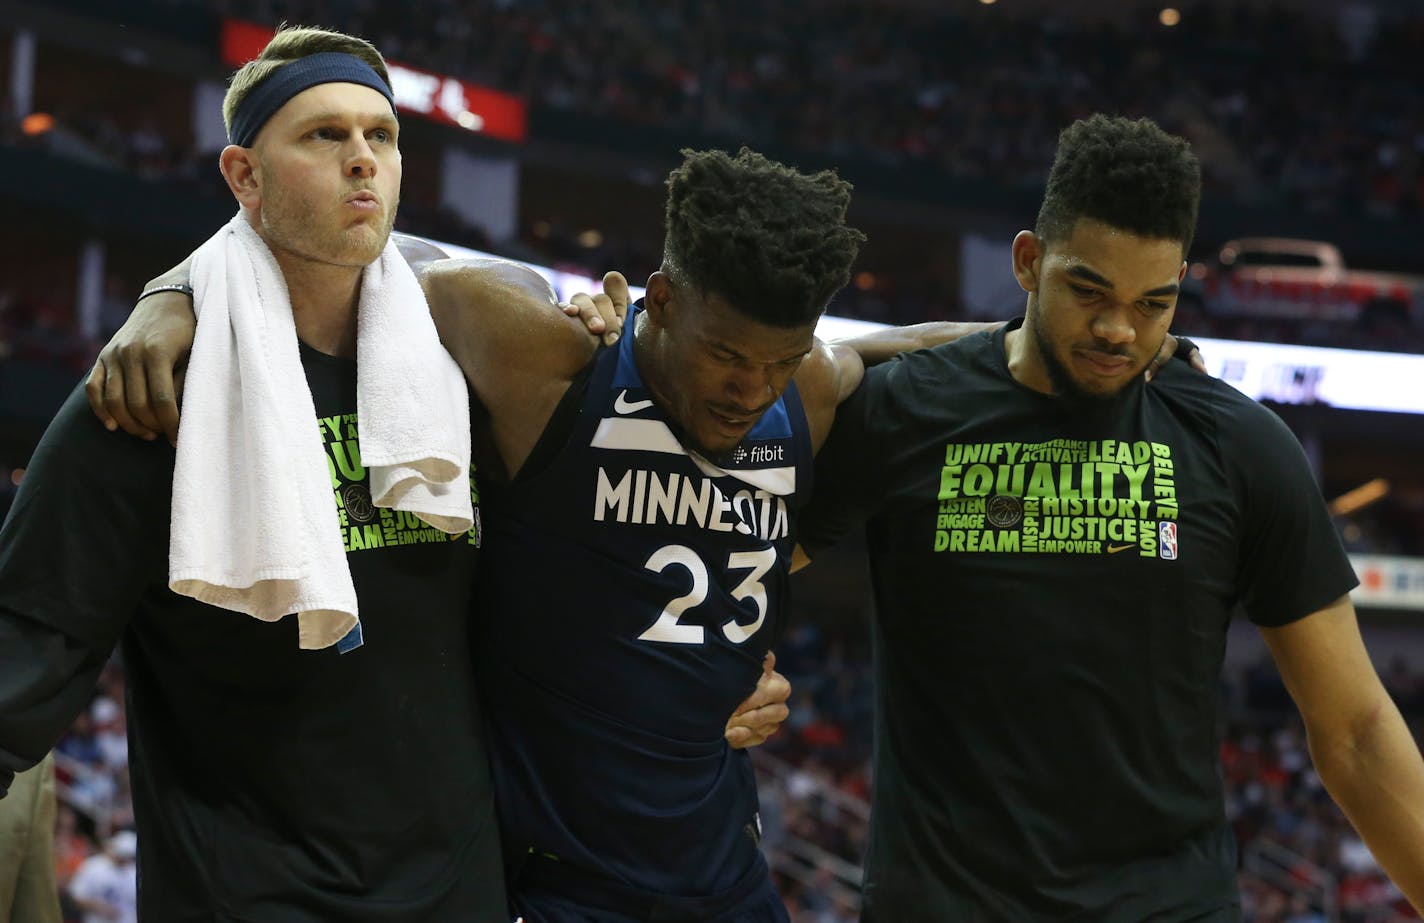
point(71, 845)
point(106, 886)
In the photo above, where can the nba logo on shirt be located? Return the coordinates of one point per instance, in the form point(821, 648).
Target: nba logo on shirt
point(1167, 532)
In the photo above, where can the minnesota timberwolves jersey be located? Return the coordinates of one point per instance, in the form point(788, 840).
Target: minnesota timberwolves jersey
point(629, 590)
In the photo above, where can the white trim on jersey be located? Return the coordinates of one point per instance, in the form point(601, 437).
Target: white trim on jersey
point(627, 435)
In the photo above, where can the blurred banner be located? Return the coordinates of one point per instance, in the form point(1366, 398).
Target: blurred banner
point(1389, 582)
point(1348, 379)
point(436, 97)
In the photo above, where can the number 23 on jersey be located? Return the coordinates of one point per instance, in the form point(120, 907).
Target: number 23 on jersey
point(670, 628)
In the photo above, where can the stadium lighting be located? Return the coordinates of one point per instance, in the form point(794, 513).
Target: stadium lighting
point(36, 123)
point(1353, 501)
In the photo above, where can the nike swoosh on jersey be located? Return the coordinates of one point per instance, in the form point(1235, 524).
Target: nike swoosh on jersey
point(621, 404)
point(1115, 550)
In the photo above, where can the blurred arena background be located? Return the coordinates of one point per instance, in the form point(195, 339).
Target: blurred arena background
point(541, 129)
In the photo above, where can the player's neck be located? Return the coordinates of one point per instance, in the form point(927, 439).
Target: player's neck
point(1026, 363)
point(648, 359)
point(324, 299)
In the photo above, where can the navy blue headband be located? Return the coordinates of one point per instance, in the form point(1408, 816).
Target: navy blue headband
point(302, 74)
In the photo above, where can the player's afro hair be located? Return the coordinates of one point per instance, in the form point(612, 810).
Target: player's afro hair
point(770, 240)
point(1128, 174)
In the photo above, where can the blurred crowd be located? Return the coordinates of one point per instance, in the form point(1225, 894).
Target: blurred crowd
point(1322, 116)
point(95, 848)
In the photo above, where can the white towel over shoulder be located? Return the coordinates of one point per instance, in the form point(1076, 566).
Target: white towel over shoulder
point(255, 525)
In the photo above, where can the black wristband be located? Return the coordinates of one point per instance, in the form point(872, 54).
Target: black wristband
point(174, 287)
point(1185, 348)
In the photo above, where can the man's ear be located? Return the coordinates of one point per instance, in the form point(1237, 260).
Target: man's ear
point(1028, 259)
point(657, 298)
point(240, 169)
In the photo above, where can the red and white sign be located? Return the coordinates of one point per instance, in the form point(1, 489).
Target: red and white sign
point(436, 97)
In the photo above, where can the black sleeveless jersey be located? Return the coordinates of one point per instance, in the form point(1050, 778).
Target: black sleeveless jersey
point(629, 591)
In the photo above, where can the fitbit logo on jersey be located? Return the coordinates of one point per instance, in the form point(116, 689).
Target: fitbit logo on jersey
point(761, 453)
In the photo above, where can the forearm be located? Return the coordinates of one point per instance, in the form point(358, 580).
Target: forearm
point(882, 345)
point(1376, 776)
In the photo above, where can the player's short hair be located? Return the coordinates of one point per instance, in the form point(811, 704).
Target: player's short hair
point(290, 44)
point(1128, 174)
point(769, 239)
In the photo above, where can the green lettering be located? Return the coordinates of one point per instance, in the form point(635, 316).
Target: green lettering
point(978, 481)
point(1088, 488)
point(1106, 472)
point(1136, 475)
point(1040, 483)
point(949, 480)
point(348, 459)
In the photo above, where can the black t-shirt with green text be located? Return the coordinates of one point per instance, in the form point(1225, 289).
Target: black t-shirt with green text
point(1053, 585)
point(270, 784)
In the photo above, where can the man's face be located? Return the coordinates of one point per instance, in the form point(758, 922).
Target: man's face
point(723, 370)
point(1100, 307)
point(329, 172)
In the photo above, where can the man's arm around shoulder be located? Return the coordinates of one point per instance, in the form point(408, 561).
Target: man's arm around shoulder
point(518, 351)
point(828, 375)
point(882, 345)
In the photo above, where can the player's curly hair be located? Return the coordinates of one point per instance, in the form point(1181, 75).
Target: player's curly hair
point(770, 240)
point(1128, 174)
